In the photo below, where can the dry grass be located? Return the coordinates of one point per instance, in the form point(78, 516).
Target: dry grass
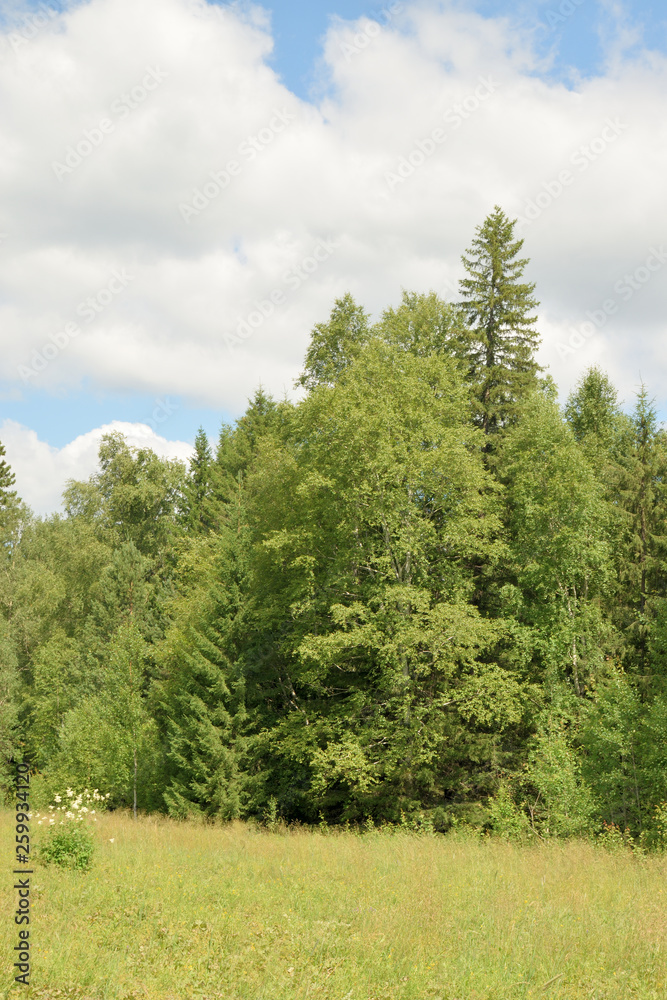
point(180, 910)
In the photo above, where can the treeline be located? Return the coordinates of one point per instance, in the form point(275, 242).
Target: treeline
point(423, 591)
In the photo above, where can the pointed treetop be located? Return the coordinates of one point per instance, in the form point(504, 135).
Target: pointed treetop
point(501, 341)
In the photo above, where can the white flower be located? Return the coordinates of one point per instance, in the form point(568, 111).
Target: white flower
point(51, 822)
point(84, 809)
point(69, 793)
point(56, 798)
point(39, 822)
point(111, 840)
point(70, 815)
point(92, 812)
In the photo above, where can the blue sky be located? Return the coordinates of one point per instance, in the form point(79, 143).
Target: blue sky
point(168, 339)
point(571, 32)
point(573, 41)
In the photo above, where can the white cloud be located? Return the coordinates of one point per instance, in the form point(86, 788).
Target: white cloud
point(315, 171)
point(42, 471)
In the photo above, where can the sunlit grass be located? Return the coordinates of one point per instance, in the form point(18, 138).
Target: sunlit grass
point(175, 910)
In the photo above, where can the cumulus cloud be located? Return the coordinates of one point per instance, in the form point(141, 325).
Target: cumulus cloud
point(42, 471)
point(176, 220)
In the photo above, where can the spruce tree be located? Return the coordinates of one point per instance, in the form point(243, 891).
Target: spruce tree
point(9, 503)
point(644, 499)
point(7, 477)
point(501, 341)
point(197, 508)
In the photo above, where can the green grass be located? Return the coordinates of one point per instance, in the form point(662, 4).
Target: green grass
point(181, 910)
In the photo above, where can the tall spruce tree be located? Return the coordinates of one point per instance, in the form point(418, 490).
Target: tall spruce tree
point(7, 477)
point(642, 495)
point(501, 341)
point(197, 502)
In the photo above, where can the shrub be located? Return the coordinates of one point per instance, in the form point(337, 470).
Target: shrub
point(68, 842)
point(69, 846)
point(506, 818)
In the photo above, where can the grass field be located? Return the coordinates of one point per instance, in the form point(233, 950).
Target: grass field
point(180, 910)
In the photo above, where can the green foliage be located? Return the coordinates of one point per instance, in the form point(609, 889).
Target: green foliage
point(500, 342)
point(564, 806)
point(423, 324)
point(68, 841)
point(506, 818)
point(334, 345)
point(560, 555)
point(360, 542)
point(133, 498)
point(421, 595)
point(70, 846)
point(200, 702)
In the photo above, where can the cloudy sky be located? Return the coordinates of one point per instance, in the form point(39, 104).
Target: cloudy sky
point(186, 187)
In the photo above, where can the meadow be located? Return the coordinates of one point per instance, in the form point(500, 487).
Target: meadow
point(235, 912)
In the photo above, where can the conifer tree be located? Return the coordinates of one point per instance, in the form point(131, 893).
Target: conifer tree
point(197, 512)
point(642, 495)
point(237, 447)
point(500, 344)
point(200, 701)
point(7, 477)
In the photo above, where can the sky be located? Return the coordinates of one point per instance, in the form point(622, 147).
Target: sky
point(187, 187)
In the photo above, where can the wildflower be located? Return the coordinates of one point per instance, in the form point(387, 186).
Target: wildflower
point(56, 798)
point(69, 793)
point(111, 840)
point(70, 815)
point(39, 822)
point(84, 809)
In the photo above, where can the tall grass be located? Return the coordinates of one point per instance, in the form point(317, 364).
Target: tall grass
point(181, 910)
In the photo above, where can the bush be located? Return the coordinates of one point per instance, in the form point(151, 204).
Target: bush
point(506, 818)
point(69, 841)
point(69, 846)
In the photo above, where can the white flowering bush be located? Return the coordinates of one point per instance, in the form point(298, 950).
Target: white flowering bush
point(68, 840)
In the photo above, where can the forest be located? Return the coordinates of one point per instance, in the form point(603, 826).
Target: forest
point(423, 591)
